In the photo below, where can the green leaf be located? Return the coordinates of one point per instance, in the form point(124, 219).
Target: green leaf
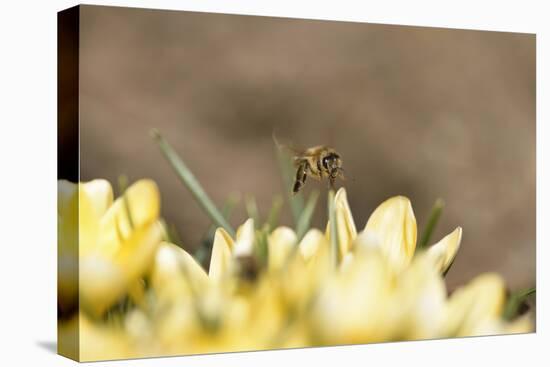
point(122, 186)
point(288, 173)
point(435, 214)
point(192, 184)
point(252, 209)
point(203, 252)
point(273, 217)
point(261, 248)
point(334, 245)
point(305, 218)
point(516, 299)
point(227, 209)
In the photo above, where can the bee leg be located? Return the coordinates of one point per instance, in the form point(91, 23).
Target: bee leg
point(300, 180)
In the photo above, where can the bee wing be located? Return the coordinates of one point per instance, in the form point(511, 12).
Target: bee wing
point(343, 176)
point(290, 150)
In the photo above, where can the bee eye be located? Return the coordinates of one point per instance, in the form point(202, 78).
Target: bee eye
point(325, 162)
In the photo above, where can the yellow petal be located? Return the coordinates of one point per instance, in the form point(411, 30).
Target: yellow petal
point(313, 265)
point(102, 283)
point(67, 281)
point(244, 245)
point(105, 279)
point(68, 332)
point(136, 255)
point(136, 293)
point(347, 261)
point(65, 192)
point(80, 208)
point(498, 326)
point(194, 273)
point(139, 328)
point(88, 224)
point(339, 313)
point(100, 342)
point(100, 193)
point(444, 252)
point(521, 325)
point(345, 225)
point(367, 241)
point(221, 261)
point(67, 237)
point(312, 243)
point(394, 226)
point(67, 216)
point(143, 200)
point(280, 244)
point(420, 300)
point(176, 273)
point(475, 304)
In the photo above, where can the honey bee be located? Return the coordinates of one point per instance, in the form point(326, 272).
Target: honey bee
point(317, 162)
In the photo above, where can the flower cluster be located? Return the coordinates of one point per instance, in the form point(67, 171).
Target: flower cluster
point(139, 295)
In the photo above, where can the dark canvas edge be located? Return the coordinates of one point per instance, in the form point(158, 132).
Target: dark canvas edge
point(68, 157)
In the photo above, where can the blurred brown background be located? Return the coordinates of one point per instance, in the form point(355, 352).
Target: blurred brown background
point(422, 112)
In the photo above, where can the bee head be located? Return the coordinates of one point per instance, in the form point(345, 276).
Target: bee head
point(333, 164)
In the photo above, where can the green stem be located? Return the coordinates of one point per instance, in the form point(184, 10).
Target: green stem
point(192, 184)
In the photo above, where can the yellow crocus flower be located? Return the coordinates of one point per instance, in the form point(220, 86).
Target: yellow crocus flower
point(393, 225)
point(381, 287)
point(176, 274)
point(392, 228)
point(444, 252)
point(476, 308)
point(116, 240)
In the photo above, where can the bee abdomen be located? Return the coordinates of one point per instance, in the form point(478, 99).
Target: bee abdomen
point(301, 175)
point(297, 186)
